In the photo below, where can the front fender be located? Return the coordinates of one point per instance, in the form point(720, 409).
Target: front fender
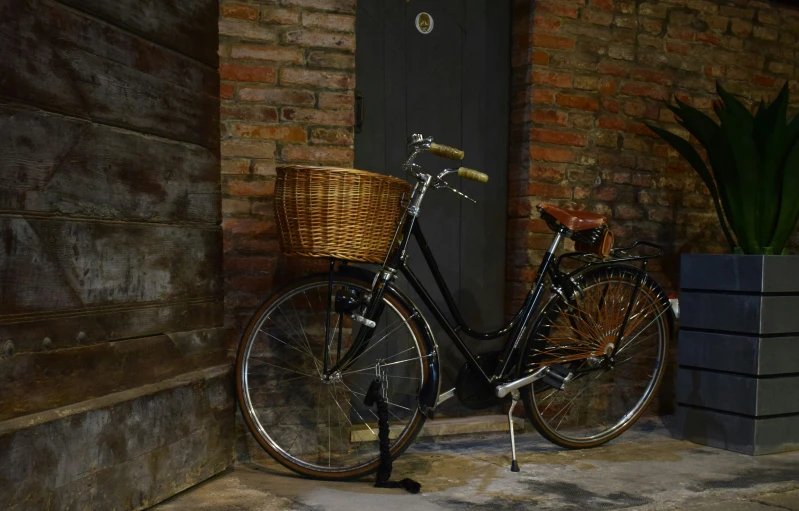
point(431, 387)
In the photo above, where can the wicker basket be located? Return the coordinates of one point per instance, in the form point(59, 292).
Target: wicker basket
point(333, 212)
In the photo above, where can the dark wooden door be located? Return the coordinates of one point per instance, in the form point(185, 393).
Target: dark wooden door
point(451, 83)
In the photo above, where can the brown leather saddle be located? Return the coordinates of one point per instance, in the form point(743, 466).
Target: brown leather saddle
point(589, 230)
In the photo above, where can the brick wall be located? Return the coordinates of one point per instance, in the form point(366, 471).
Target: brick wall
point(288, 73)
point(589, 73)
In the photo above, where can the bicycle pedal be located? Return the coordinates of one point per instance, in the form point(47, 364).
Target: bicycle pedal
point(362, 320)
point(557, 376)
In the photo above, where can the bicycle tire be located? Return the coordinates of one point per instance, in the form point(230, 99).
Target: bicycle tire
point(576, 335)
point(295, 408)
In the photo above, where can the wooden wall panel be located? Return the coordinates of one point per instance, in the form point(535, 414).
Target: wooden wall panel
point(66, 166)
point(181, 25)
point(53, 60)
point(49, 265)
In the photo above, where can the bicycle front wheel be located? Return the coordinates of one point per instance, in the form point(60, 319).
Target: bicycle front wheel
point(605, 389)
point(320, 427)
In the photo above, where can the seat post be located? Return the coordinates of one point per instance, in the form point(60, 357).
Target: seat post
point(555, 242)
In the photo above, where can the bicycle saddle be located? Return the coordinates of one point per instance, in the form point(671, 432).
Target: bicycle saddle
point(572, 219)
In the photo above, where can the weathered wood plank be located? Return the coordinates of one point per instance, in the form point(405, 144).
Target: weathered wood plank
point(126, 450)
point(54, 60)
point(71, 167)
point(28, 382)
point(54, 265)
point(52, 330)
point(186, 26)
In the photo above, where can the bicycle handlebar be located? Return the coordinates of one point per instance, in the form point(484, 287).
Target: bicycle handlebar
point(473, 175)
point(446, 151)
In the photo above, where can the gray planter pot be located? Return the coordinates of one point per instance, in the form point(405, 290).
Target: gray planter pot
point(738, 354)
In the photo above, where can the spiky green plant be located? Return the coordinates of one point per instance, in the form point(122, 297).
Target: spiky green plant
point(754, 159)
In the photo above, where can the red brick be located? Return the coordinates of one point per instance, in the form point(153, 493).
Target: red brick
point(707, 37)
point(281, 132)
point(242, 11)
point(248, 226)
point(553, 78)
point(241, 188)
point(226, 90)
point(543, 96)
point(602, 4)
point(611, 105)
point(605, 193)
point(540, 58)
point(590, 83)
point(334, 60)
point(763, 81)
point(646, 75)
point(336, 100)
point(682, 33)
point(248, 148)
point(332, 136)
point(609, 68)
point(714, 71)
point(553, 154)
point(643, 90)
point(228, 111)
point(317, 154)
point(639, 129)
point(579, 102)
point(550, 117)
point(264, 168)
point(247, 73)
point(320, 39)
point(322, 79)
point(252, 283)
point(634, 108)
point(247, 29)
point(546, 24)
point(235, 167)
point(277, 95)
point(735, 12)
point(313, 116)
point(335, 22)
point(607, 86)
point(556, 9)
point(549, 174)
point(273, 53)
point(612, 123)
point(549, 191)
point(598, 16)
point(652, 26)
point(280, 16)
point(250, 263)
point(677, 48)
point(235, 207)
point(347, 6)
point(627, 212)
point(557, 137)
point(553, 42)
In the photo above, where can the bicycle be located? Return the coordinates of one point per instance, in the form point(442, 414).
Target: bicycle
point(585, 352)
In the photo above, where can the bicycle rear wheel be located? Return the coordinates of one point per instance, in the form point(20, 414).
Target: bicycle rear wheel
point(321, 428)
point(604, 393)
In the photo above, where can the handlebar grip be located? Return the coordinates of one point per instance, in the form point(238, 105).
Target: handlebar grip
point(446, 151)
point(473, 175)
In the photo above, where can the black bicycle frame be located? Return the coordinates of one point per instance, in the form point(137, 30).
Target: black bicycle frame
point(399, 259)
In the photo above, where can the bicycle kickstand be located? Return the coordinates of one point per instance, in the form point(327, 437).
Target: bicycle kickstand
point(514, 465)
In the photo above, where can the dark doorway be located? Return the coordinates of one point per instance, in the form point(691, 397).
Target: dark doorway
point(452, 83)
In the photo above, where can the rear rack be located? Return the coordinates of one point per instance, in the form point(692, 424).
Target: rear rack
point(617, 255)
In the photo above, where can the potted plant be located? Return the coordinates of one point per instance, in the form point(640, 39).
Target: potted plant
point(738, 354)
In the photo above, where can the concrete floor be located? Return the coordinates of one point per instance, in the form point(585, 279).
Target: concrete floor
point(645, 469)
